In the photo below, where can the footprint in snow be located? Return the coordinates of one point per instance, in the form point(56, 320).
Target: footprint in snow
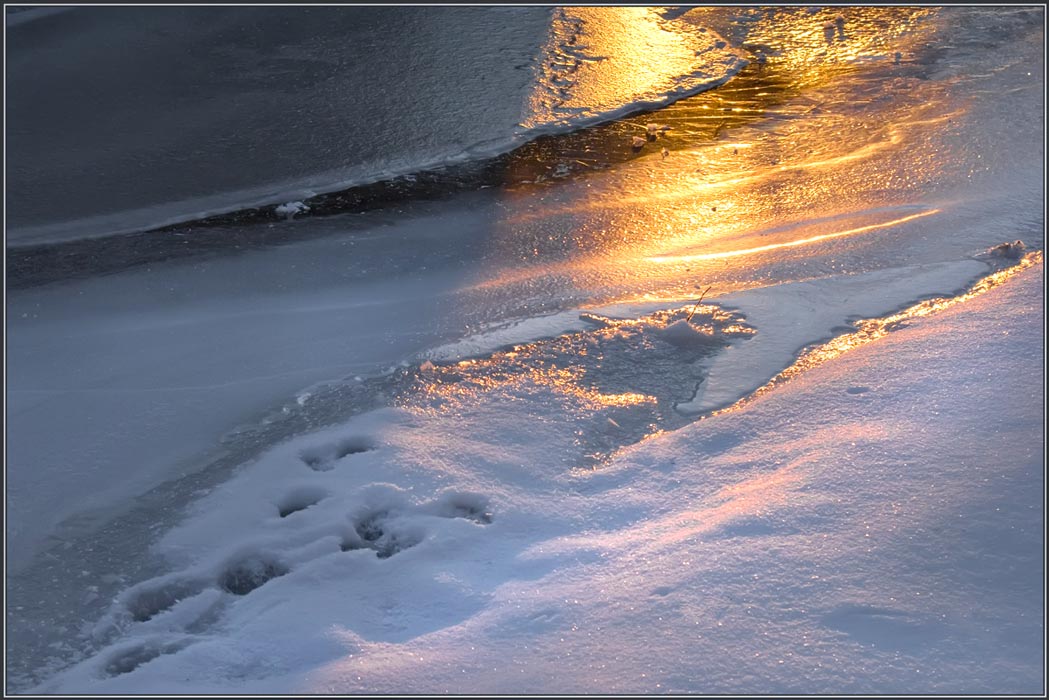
point(129, 657)
point(388, 525)
point(322, 458)
point(245, 573)
point(146, 601)
point(300, 499)
point(469, 506)
point(383, 531)
point(392, 529)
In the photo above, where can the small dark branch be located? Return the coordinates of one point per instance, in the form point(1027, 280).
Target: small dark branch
point(693, 311)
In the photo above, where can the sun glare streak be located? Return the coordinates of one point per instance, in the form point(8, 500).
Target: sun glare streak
point(683, 191)
point(788, 244)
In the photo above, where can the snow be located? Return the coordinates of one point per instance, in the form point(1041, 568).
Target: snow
point(683, 334)
point(873, 525)
point(1009, 251)
point(495, 443)
point(816, 310)
point(153, 367)
point(290, 209)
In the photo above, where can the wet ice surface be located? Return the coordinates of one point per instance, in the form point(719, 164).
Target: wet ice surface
point(267, 106)
point(226, 106)
point(804, 204)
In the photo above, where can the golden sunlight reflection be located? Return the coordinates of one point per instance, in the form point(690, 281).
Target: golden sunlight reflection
point(611, 384)
point(757, 496)
point(559, 369)
point(452, 386)
point(752, 497)
point(600, 58)
point(870, 330)
point(815, 132)
point(815, 44)
point(790, 244)
point(828, 147)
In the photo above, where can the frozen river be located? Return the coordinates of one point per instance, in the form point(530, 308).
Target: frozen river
point(597, 170)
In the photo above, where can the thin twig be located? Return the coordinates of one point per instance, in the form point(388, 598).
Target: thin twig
point(690, 313)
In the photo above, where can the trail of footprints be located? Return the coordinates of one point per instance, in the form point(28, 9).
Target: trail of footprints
point(322, 458)
point(165, 614)
point(200, 598)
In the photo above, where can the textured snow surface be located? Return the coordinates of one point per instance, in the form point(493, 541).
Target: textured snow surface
point(874, 525)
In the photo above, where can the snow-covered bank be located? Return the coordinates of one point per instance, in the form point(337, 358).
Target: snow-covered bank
point(874, 525)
